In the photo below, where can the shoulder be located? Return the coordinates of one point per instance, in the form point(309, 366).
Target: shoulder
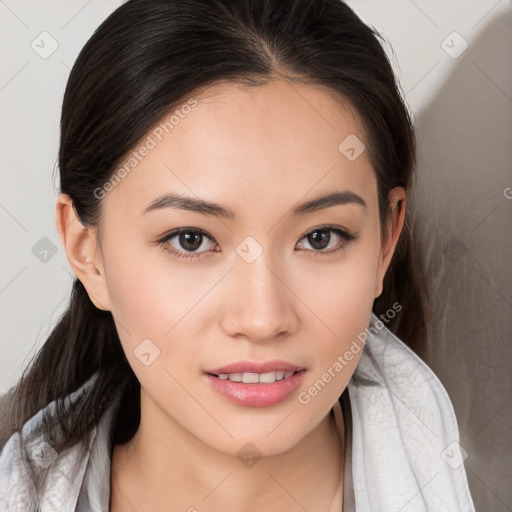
point(404, 428)
point(5, 404)
point(393, 383)
point(22, 466)
point(389, 363)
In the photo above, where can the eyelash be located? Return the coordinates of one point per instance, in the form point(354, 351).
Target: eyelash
point(345, 235)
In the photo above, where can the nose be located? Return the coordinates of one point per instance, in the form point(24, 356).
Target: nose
point(261, 305)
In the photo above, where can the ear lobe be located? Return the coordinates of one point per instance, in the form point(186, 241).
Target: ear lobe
point(83, 251)
point(397, 198)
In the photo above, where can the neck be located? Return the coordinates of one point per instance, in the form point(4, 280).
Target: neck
point(156, 469)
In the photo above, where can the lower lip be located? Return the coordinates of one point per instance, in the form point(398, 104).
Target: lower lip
point(256, 395)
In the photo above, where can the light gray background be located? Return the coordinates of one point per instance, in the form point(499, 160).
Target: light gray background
point(462, 106)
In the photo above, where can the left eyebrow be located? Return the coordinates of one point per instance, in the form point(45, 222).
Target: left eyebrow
point(329, 200)
point(203, 207)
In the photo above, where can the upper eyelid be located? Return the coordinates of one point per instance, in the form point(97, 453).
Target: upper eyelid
point(177, 231)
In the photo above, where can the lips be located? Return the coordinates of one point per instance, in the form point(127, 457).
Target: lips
point(254, 384)
point(256, 395)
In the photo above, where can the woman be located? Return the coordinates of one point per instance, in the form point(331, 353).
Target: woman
point(234, 178)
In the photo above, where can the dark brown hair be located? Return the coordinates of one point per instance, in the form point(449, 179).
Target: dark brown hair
point(143, 61)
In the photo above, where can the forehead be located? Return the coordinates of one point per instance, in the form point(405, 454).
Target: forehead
point(249, 147)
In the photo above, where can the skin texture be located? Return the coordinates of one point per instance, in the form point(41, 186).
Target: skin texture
point(259, 152)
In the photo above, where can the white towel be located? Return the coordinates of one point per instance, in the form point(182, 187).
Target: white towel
point(406, 455)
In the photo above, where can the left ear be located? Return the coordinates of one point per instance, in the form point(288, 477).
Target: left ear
point(397, 200)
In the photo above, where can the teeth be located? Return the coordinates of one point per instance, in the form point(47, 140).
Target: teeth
point(255, 378)
point(251, 378)
point(267, 377)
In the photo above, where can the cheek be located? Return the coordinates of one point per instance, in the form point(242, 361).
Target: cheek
point(143, 306)
point(143, 288)
point(153, 300)
point(342, 293)
point(131, 288)
point(342, 305)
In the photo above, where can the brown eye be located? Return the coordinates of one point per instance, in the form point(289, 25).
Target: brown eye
point(190, 240)
point(182, 241)
point(320, 239)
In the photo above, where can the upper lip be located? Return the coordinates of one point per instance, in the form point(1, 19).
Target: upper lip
point(256, 367)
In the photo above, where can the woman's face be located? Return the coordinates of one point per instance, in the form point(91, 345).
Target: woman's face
point(272, 282)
